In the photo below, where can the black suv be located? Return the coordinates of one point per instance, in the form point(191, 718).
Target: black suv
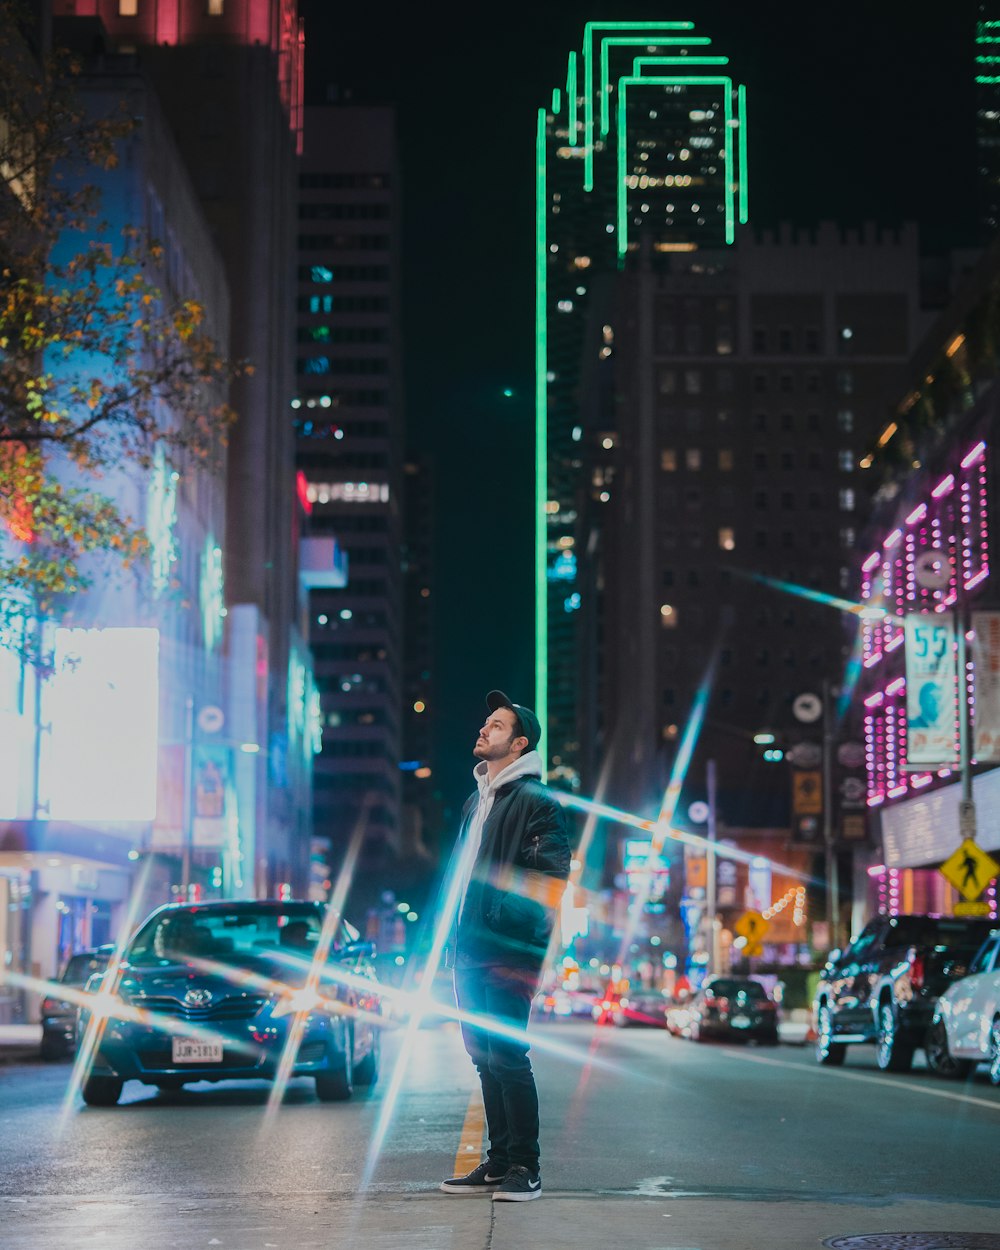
point(883, 988)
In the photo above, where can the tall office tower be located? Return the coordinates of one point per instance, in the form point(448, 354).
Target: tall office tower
point(349, 424)
point(749, 381)
point(229, 75)
point(987, 73)
point(645, 146)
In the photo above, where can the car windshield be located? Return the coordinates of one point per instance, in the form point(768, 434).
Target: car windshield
point(82, 966)
point(730, 989)
point(942, 932)
point(231, 933)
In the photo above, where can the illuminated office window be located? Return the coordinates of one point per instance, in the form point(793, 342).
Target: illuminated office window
point(668, 459)
point(215, 8)
point(727, 538)
point(692, 458)
point(725, 458)
point(128, 8)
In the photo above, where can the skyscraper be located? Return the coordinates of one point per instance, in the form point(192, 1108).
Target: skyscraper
point(348, 421)
point(229, 76)
point(646, 145)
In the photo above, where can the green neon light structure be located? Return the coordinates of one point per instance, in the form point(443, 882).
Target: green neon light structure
point(588, 81)
point(588, 91)
point(571, 94)
point(541, 443)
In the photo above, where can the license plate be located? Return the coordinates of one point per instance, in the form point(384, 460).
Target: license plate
point(189, 1050)
point(740, 1022)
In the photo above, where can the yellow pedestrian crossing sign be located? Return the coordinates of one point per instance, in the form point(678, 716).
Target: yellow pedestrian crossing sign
point(970, 869)
point(752, 926)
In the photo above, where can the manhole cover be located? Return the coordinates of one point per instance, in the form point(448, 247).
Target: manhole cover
point(916, 1241)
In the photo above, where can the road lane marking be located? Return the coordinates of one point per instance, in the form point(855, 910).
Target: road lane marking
point(470, 1145)
point(872, 1080)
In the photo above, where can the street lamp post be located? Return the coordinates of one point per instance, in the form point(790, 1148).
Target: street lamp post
point(832, 868)
point(710, 884)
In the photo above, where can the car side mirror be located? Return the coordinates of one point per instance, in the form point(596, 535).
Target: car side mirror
point(357, 950)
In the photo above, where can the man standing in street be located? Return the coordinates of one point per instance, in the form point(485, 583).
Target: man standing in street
point(515, 851)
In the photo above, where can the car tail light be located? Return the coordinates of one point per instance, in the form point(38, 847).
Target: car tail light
point(722, 1004)
point(50, 1006)
point(916, 970)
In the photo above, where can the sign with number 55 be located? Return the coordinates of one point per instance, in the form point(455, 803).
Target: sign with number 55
point(931, 689)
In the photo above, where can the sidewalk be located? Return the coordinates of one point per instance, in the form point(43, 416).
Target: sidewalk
point(20, 1043)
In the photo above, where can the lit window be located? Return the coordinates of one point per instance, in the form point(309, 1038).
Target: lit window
point(847, 536)
point(668, 459)
point(727, 538)
point(215, 8)
point(692, 381)
point(320, 273)
point(668, 616)
point(845, 420)
point(692, 458)
point(725, 459)
point(847, 500)
point(128, 8)
point(845, 460)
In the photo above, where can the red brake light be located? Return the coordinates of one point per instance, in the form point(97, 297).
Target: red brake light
point(916, 970)
point(50, 1004)
point(723, 1004)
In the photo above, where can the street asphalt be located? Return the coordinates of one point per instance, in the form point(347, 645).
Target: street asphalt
point(648, 1142)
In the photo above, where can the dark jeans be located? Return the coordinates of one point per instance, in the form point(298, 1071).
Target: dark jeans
point(509, 1096)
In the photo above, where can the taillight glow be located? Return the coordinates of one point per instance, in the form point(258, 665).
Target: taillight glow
point(916, 970)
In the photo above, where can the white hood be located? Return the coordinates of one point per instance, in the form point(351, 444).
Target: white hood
point(527, 765)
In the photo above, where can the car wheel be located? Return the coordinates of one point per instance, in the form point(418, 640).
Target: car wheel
point(892, 1052)
point(939, 1058)
point(337, 1085)
point(828, 1052)
point(995, 1051)
point(366, 1072)
point(101, 1091)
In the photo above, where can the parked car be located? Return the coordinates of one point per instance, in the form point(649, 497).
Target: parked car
point(58, 1014)
point(641, 1009)
point(884, 987)
point(965, 1030)
point(218, 986)
point(731, 1008)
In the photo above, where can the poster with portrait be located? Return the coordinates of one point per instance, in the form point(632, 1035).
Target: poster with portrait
point(986, 665)
point(931, 689)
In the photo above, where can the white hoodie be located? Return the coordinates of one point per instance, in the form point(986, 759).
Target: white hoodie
point(527, 765)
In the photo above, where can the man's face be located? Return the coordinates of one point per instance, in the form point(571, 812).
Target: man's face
point(496, 738)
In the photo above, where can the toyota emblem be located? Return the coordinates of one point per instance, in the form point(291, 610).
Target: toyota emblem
point(197, 998)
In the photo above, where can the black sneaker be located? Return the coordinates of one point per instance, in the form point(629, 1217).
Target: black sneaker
point(478, 1181)
point(519, 1185)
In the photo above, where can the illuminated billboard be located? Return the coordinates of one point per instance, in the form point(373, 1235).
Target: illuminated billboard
point(101, 706)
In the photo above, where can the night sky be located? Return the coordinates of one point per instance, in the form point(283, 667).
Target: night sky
point(865, 112)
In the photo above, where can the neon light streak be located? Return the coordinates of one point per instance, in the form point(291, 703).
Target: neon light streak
point(977, 578)
point(588, 81)
point(973, 455)
point(641, 63)
point(741, 108)
point(556, 100)
point(615, 814)
point(943, 487)
point(893, 539)
point(632, 41)
point(87, 1048)
point(916, 515)
point(571, 95)
point(871, 562)
point(819, 596)
point(541, 449)
point(328, 931)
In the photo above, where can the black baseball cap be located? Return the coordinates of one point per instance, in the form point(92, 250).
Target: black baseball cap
point(527, 721)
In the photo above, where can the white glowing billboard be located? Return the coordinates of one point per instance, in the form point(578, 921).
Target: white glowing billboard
point(98, 758)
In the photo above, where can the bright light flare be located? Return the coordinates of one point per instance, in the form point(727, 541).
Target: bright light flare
point(318, 963)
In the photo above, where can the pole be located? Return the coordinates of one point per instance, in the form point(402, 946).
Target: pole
point(187, 832)
point(967, 806)
point(832, 881)
point(710, 898)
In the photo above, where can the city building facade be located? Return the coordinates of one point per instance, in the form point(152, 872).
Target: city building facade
point(348, 422)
